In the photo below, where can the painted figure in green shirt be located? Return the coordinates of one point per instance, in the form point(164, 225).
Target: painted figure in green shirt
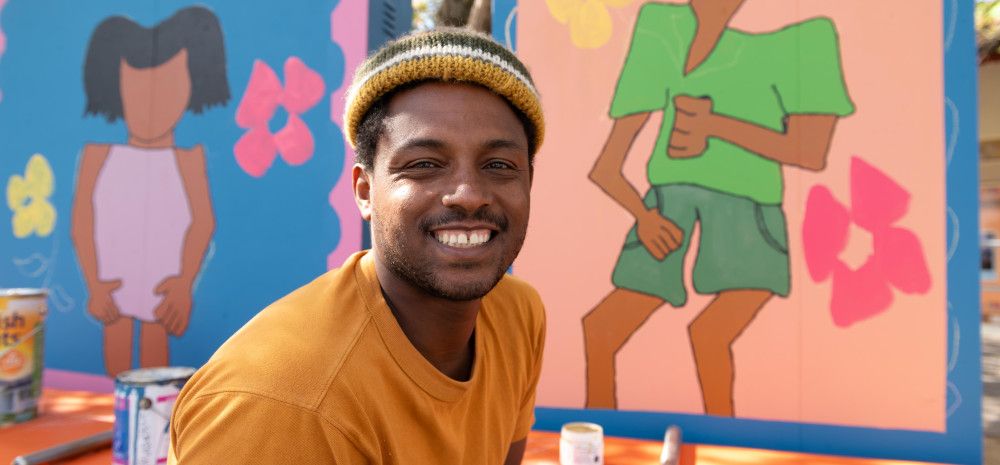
point(736, 107)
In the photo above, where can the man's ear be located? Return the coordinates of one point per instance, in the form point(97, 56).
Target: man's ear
point(362, 190)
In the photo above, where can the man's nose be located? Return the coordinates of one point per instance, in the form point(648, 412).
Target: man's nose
point(468, 192)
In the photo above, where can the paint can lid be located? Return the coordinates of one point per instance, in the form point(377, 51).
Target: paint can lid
point(583, 431)
point(23, 292)
point(151, 376)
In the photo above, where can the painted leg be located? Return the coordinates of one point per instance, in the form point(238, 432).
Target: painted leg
point(605, 330)
point(118, 346)
point(154, 347)
point(712, 335)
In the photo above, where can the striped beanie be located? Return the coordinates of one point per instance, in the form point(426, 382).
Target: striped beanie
point(446, 54)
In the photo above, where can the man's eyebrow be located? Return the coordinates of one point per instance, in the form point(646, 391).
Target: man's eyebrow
point(436, 144)
point(494, 144)
point(421, 143)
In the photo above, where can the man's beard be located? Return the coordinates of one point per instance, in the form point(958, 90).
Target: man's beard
point(420, 274)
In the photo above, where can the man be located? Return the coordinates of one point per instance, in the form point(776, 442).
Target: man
point(737, 107)
point(421, 350)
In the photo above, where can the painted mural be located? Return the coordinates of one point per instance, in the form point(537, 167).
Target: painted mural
point(171, 169)
point(146, 197)
point(745, 220)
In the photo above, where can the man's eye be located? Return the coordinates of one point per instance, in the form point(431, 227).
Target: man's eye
point(422, 164)
point(499, 165)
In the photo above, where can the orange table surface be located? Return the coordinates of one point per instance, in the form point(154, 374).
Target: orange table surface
point(66, 416)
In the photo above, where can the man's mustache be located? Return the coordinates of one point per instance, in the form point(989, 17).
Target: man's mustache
point(483, 215)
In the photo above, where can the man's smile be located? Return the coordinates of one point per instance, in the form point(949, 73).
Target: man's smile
point(461, 238)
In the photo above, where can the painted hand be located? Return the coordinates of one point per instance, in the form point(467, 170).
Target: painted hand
point(692, 122)
point(660, 235)
point(174, 310)
point(100, 304)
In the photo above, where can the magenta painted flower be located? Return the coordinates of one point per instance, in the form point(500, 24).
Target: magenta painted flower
point(258, 147)
point(896, 261)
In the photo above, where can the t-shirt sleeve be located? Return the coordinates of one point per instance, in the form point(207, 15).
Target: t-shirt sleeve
point(810, 78)
point(526, 415)
point(642, 84)
point(250, 429)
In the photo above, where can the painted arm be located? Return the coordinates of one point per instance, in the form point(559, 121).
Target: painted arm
point(175, 310)
point(660, 235)
point(99, 302)
point(516, 453)
point(804, 143)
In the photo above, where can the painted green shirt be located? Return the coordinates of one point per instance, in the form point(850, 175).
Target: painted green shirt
point(759, 78)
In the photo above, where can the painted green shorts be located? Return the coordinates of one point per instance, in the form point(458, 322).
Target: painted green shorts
point(743, 245)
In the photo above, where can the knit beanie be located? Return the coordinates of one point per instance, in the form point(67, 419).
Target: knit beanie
point(446, 54)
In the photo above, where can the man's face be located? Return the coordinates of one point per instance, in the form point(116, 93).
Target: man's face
point(449, 190)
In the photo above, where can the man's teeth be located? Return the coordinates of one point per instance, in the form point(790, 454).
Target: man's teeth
point(463, 238)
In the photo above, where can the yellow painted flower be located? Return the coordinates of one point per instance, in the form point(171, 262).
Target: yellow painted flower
point(589, 20)
point(28, 198)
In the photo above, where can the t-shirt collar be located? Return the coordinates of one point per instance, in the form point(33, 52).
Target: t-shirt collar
point(407, 357)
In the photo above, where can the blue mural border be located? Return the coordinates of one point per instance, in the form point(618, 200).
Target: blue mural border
point(962, 441)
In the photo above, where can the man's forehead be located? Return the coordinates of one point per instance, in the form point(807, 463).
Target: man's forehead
point(441, 104)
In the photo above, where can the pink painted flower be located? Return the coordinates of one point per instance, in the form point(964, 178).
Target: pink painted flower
point(897, 261)
point(258, 147)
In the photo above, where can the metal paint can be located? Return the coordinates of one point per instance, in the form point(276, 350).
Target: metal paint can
point(144, 399)
point(581, 444)
point(22, 324)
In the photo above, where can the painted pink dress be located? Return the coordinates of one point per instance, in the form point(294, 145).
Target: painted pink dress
point(141, 215)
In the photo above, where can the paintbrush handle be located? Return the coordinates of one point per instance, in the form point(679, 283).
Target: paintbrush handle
point(69, 449)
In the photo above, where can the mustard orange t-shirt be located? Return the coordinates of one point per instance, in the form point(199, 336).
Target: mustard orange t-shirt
point(326, 375)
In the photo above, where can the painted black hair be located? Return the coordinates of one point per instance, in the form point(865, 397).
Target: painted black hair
point(195, 28)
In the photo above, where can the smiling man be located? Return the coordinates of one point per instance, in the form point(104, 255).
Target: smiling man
point(421, 350)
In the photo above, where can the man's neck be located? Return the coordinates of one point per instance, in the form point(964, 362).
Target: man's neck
point(440, 329)
point(711, 21)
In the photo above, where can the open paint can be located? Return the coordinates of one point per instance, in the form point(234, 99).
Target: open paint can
point(144, 399)
point(581, 443)
point(22, 324)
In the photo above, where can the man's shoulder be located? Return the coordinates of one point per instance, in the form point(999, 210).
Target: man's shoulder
point(511, 287)
point(291, 351)
point(660, 10)
point(819, 31)
point(664, 20)
point(519, 300)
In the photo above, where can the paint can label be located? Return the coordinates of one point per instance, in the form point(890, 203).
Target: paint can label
point(22, 320)
point(144, 400)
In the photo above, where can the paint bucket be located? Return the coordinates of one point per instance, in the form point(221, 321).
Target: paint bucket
point(581, 444)
point(22, 321)
point(144, 399)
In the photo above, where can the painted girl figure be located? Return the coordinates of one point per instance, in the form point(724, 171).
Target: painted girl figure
point(142, 212)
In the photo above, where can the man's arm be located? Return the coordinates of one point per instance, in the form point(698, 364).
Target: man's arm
point(658, 234)
point(805, 141)
point(607, 170)
point(516, 453)
point(526, 412)
point(245, 428)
